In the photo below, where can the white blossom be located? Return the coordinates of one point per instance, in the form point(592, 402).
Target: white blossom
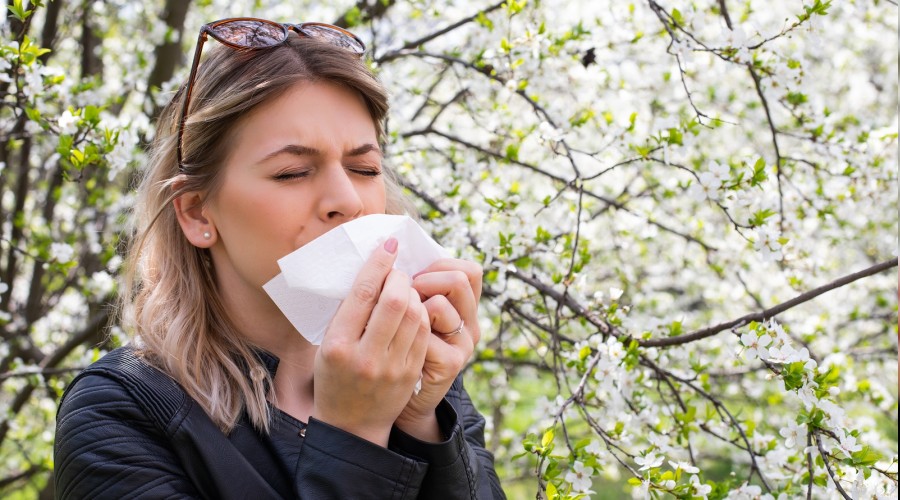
point(649, 461)
point(756, 345)
point(706, 186)
point(641, 491)
point(68, 122)
point(685, 466)
point(580, 476)
point(849, 445)
point(699, 489)
point(61, 252)
point(766, 243)
point(808, 396)
point(793, 434)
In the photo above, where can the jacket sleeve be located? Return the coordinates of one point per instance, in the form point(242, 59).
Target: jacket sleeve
point(334, 464)
point(106, 447)
point(461, 466)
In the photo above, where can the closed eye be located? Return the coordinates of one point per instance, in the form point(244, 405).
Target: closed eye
point(290, 175)
point(367, 172)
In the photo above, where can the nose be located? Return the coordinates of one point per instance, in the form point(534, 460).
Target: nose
point(339, 200)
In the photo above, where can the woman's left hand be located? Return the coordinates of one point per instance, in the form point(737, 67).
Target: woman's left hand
point(450, 290)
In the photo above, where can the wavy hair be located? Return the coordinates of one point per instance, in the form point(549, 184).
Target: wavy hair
point(171, 301)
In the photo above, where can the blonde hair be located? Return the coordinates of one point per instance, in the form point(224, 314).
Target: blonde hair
point(170, 300)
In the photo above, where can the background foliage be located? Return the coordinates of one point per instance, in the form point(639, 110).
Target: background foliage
point(686, 211)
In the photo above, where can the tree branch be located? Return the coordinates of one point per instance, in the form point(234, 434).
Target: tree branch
point(834, 479)
point(779, 161)
point(394, 54)
point(376, 10)
point(771, 312)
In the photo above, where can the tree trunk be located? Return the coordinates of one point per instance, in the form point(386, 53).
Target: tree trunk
point(49, 31)
point(91, 64)
point(168, 55)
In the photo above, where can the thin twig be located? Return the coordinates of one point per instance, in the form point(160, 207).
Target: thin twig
point(39, 371)
point(834, 479)
point(771, 312)
point(394, 54)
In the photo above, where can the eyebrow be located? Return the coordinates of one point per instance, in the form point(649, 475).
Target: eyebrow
point(301, 150)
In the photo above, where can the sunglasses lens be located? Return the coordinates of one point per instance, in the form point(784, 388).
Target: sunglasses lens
point(334, 37)
point(249, 33)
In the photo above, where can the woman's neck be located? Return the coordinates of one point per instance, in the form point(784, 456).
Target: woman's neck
point(260, 321)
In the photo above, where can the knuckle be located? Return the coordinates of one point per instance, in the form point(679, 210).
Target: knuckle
point(459, 279)
point(366, 291)
point(413, 314)
point(334, 353)
point(394, 303)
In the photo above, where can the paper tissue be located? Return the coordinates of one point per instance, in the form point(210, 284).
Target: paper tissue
point(315, 278)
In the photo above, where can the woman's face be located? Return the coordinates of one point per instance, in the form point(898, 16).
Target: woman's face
point(299, 166)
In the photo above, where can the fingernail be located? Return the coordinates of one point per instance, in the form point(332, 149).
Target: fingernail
point(391, 245)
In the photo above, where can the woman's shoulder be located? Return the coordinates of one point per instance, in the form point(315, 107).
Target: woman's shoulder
point(110, 441)
point(122, 383)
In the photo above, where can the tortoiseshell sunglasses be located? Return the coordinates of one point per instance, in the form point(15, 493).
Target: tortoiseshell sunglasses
point(252, 33)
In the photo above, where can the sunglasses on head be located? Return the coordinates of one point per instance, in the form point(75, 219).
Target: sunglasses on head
point(251, 33)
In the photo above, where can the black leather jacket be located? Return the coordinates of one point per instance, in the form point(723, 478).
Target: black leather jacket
point(126, 430)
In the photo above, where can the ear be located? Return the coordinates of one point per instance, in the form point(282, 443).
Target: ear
point(192, 218)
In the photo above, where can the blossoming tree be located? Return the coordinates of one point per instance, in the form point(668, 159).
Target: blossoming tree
point(686, 212)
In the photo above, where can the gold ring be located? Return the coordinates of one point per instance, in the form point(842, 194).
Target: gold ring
point(456, 331)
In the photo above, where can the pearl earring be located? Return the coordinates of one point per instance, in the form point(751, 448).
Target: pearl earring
point(207, 235)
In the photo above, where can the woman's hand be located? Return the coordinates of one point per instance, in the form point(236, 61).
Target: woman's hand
point(450, 290)
point(373, 352)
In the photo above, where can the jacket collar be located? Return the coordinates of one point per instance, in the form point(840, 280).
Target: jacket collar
point(269, 360)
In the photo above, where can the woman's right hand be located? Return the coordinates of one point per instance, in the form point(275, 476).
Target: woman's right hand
point(373, 352)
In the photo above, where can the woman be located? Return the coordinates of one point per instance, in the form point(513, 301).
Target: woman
point(274, 140)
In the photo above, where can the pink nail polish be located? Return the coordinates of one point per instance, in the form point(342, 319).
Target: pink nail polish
point(391, 245)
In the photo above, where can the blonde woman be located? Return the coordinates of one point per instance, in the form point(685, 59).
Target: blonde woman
point(274, 140)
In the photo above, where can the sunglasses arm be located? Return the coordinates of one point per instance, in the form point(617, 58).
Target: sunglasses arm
point(201, 39)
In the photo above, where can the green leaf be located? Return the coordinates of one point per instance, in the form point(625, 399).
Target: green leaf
point(512, 152)
point(675, 329)
point(542, 235)
point(19, 11)
point(91, 114)
point(484, 21)
point(796, 98)
point(793, 375)
point(33, 114)
point(514, 6)
point(28, 52)
point(675, 137)
point(496, 203)
point(759, 173)
point(353, 17)
point(760, 216)
point(866, 456)
point(547, 438)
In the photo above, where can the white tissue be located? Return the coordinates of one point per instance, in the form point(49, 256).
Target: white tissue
point(315, 278)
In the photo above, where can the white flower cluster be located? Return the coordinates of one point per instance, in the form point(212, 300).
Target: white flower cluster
point(710, 182)
point(771, 343)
